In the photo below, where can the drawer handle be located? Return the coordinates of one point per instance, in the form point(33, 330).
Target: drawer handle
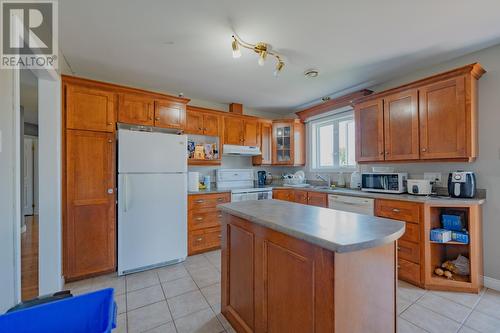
point(199, 218)
point(220, 215)
point(220, 199)
point(200, 201)
point(199, 239)
point(395, 210)
point(220, 236)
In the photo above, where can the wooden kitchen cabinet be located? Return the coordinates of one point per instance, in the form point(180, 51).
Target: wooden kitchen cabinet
point(266, 133)
point(169, 114)
point(401, 126)
point(431, 119)
point(300, 196)
point(204, 221)
point(369, 120)
point(241, 131)
point(251, 136)
point(444, 120)
point(90, 108)
point(283, 194)
point(411, 262)
point(89, 228)
point(234, 131)
point(136, 109)
point(202, 121)
point(288, 142)
point(317, 199)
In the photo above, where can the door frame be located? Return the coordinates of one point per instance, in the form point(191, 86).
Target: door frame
point(50, 174)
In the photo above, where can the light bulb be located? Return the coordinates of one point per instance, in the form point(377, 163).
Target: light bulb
point(279, 67)
point(262, 58)
point(236, 49)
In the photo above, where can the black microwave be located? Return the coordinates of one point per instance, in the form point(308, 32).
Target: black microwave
point(384, 182)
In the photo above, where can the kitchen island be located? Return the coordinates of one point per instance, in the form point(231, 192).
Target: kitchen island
point(288, 267)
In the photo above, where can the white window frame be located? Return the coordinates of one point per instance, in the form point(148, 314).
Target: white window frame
point(331, 118)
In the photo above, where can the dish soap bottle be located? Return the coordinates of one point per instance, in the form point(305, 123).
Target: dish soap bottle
point(341, 180)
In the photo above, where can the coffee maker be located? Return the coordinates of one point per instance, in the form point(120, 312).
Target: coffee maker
point(261, 178)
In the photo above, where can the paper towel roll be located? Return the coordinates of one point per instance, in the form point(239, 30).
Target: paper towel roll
point(193, 181)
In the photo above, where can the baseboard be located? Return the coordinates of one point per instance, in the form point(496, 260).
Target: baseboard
point(492, 283)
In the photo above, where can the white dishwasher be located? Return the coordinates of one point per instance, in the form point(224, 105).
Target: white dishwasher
point(351, 204)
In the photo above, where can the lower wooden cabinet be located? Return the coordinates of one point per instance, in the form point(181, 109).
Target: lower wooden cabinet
point(283, 194)
point(301, 196)
point(411, 244)
point(89, 228)
point(317, 199)
point(204, 221)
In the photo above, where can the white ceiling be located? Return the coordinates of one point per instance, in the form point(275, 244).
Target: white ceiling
point(184, 45)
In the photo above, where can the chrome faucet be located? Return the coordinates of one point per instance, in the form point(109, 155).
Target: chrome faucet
point(327, 180)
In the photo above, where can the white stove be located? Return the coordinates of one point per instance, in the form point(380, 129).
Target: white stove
point(241, 184)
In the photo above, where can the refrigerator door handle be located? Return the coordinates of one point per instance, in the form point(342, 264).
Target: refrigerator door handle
point(125, 193)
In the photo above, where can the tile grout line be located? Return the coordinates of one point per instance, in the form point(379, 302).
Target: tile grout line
point(166, 301)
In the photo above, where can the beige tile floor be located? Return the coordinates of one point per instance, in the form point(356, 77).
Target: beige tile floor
point(186, 298)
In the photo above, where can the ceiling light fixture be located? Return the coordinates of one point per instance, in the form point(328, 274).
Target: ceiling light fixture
point(311, 73)
point(262, 49)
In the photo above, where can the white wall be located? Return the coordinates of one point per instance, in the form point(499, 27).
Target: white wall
point(7, 190)
point(50, 234)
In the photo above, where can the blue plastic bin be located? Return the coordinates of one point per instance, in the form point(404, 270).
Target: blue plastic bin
point(89, 313)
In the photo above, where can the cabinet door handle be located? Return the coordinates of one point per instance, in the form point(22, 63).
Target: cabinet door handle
point(157, 118)
point(382, 153)
point(395, 210)
point(110, 141)
point(110, 191)
point(398, 266)
point(220, 215)
point(220, 236)
point(110, 123)
point(424, 150)
point(399, 248)
point(200, 201)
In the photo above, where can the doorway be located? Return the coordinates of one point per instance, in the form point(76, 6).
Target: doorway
point(29, 185)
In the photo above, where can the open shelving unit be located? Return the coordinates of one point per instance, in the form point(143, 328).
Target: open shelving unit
point(204, 139)
point(436, 253)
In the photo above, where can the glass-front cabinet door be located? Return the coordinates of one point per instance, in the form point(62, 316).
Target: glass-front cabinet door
point(283, 134)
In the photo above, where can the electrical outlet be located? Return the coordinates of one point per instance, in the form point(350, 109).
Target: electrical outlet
point(433, 176)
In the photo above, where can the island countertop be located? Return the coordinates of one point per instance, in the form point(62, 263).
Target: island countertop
point(334, 230)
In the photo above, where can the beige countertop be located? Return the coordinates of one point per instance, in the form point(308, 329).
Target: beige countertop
point(334, 230)
point(435, 200)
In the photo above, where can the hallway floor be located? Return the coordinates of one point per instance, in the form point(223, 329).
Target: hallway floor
point(29, 259)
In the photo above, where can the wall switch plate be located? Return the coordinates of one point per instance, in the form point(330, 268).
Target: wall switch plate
point(433, 176)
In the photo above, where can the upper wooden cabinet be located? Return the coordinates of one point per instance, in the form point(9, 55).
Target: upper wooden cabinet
point(89, 108)
point(202, 122)
point(241, 131)
point(401, 126)
point(369, 120)
point(169, 114)
point(431, 119)
point(266, 134)
point(445, 120)
point(288, 142)
point(136, 109)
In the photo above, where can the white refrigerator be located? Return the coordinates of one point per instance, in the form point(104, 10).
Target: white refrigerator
point(152, 200)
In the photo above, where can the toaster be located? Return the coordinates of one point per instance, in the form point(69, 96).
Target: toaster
point(462, 184)
point(419, 186)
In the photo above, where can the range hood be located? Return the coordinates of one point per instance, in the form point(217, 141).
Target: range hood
point(241, 150)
